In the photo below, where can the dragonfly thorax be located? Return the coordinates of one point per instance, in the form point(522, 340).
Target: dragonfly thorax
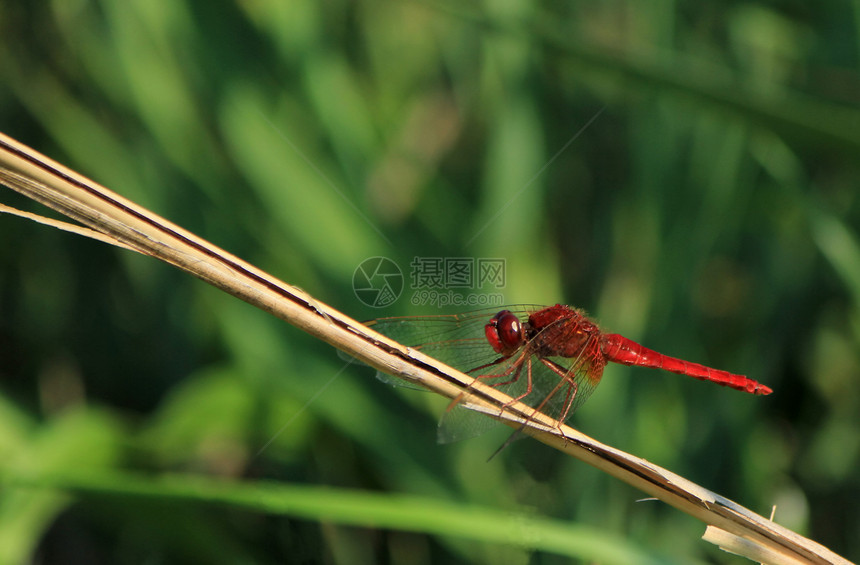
point(565, 332)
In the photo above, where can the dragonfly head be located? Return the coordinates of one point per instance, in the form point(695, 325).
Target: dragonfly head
point(505, 333)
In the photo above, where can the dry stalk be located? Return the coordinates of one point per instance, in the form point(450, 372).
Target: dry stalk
point(127, 224)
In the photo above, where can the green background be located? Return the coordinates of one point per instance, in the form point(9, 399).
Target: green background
point(710, 212)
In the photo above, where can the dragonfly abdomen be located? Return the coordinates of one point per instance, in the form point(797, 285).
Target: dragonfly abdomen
point(620, 349)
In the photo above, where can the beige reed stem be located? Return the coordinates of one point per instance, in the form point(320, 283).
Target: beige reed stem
point(121, 221)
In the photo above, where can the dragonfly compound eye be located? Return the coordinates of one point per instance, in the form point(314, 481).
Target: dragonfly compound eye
point(504, 332)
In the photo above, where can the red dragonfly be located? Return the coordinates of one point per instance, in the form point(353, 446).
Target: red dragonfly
point(551, 358)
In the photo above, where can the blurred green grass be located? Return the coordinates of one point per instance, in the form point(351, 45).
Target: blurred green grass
point(710, 212)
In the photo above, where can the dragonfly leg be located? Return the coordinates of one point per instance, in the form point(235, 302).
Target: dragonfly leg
point(515, 369)
point(490, 364)
point(528, 384)
point(459, 398)
point(570, 394)
point(572, 389)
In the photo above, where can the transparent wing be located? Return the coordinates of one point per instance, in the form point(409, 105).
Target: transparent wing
point(454, 338)
point(556, 386)
point(457, 340)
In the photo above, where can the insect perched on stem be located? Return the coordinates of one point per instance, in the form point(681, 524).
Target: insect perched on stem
point(551, 358)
